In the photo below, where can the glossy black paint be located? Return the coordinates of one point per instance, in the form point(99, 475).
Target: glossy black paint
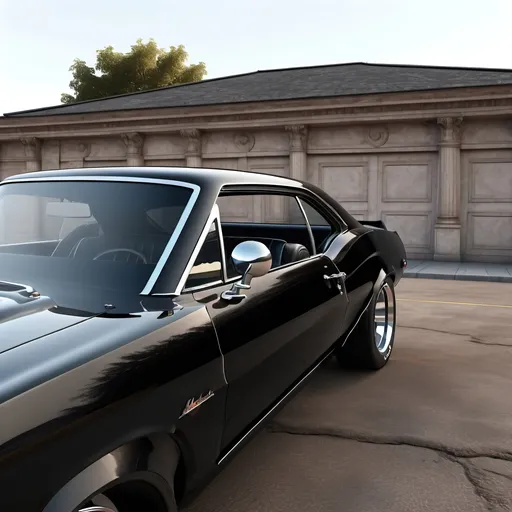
point(267, 338)
point(98, 385)
point(98, 397)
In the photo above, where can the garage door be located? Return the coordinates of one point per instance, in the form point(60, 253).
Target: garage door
point(400, 189)
point(486, 206)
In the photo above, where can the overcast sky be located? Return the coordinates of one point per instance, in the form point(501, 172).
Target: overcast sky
point(40, 38)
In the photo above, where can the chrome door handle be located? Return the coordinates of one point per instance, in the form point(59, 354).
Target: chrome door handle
point(340, 275)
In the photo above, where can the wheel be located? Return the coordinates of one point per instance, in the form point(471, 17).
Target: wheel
point(370, 344)
point(127, 498)
point(100, 503)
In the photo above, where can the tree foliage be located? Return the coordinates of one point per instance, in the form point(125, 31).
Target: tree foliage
point(145, 67)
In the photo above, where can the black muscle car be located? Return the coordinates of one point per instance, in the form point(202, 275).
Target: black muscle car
point(152, 319)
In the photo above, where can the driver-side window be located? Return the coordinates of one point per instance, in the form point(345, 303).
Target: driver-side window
point(207, 268)
point(274, 219)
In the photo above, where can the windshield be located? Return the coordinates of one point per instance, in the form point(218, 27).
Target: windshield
point(87, 243)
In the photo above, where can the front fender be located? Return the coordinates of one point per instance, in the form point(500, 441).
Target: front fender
point(148, 368)
point(152, 459)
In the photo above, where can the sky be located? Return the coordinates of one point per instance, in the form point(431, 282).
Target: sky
point(39, 39)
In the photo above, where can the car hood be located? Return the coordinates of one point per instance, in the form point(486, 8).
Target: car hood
point(25, 316)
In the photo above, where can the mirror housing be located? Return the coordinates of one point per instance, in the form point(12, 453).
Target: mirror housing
point(251, 259)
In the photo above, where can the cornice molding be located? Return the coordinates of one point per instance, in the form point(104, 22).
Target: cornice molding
point(227, 117)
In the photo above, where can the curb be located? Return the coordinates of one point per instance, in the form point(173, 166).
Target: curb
point(459, 277)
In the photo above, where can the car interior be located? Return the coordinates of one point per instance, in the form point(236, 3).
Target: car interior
point(287, 243)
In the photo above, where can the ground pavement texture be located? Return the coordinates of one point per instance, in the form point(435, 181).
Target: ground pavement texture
point(432, 431)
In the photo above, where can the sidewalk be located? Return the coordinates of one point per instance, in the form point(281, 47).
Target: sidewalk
point(492, 272)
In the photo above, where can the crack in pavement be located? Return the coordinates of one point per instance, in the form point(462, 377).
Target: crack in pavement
point(478, 341)
point(464, 453)
point(471, 338)
point(476, 476)
point(497, 473)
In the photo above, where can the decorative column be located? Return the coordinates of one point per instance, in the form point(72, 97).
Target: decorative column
point(134, 143)
point(298, 155)
point(447, 228)
point(193, 149)
point(32, 147)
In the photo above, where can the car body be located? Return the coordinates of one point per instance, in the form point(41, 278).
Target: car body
point(145, 335)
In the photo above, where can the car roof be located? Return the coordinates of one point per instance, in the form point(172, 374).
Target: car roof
point(204, 177)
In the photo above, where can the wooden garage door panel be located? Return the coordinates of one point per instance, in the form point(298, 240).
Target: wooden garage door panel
point(399, 189)
point(486, 206)
point(407, 198)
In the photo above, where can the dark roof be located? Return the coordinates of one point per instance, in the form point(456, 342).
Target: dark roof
point(292, 83)
point(209, 177)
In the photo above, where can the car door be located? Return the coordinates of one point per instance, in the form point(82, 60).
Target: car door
point(288, 320)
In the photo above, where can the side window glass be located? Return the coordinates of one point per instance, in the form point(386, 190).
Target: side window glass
point(320, 226)
point(260, 209)
point(314, 217)
point(207, 267)
point(275, 220)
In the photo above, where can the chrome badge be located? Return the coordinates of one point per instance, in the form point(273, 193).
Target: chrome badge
point(193, 403)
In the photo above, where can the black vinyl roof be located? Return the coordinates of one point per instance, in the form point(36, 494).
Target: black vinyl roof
point(349, 79)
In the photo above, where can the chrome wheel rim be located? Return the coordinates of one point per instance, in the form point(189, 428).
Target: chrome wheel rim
point(100, 503)
point(96, 509)
point(384, 318)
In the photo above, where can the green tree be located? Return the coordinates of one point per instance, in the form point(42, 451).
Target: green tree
point(145, 67)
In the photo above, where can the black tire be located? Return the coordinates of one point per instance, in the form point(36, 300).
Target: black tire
point(364, 348)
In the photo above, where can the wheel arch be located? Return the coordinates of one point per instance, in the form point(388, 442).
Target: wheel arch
point(152, 459)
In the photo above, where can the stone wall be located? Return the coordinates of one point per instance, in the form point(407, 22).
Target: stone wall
point(445, 185)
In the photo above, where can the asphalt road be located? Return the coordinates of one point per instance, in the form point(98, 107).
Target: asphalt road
point(432, 431)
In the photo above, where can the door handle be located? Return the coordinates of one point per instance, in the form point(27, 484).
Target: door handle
point(340, 275)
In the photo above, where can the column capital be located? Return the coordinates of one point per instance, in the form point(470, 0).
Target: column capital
point(450, 129)
point(32, 148)
point(193, 137)
point(298, 134)
point(85, 148)
point(134, 143)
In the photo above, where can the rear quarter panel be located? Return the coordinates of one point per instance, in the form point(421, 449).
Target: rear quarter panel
point(363, 254)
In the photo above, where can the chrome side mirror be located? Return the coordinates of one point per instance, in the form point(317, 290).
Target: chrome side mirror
point(251, 259)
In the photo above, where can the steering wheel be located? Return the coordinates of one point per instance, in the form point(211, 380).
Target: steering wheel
point(122, 249)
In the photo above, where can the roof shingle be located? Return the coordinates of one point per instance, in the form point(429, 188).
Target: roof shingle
point(293, 83)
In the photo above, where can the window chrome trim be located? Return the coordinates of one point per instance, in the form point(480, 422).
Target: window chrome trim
point(155, 181)
point(295, 189)
point(308, 225)
point(222, 248)
point(205, 286)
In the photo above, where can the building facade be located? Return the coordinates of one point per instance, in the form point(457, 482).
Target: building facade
point(434, 165)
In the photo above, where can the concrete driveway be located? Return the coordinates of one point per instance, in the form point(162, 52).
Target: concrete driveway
point(432, 431)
